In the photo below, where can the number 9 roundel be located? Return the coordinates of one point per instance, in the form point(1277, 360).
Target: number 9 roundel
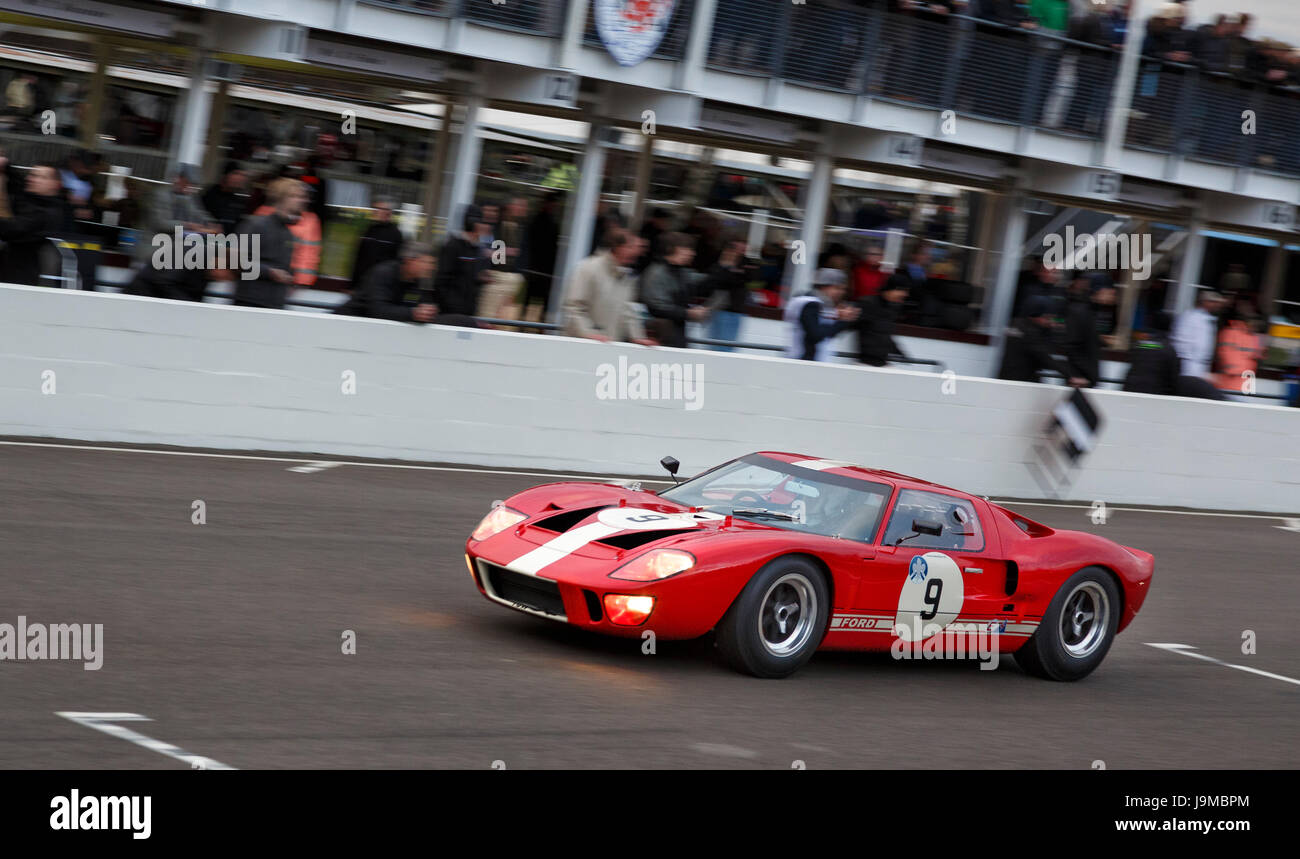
point(931, 598)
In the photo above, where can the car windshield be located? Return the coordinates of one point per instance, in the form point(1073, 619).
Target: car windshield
point(787, 496)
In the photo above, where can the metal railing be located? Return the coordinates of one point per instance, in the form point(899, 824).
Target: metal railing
point(1184, 110)
point(972, 66)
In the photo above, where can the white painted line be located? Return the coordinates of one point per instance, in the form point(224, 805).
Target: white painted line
point(104, 722)
point(313, 467)
point(593, 477)
point(1139, 510)
point(724, 750)
point(413, 467)
point(1186, 650)
point(1291, 525)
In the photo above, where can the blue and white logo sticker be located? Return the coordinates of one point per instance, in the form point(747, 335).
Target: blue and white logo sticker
point(918, 570)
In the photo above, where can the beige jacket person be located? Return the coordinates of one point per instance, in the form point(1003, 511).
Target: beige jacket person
point(600, 299)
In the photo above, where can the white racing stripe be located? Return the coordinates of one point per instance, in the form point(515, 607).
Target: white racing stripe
point(561, 547)
point(823, 464)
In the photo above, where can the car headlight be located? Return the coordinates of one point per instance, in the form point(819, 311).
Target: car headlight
point(499, 518)
point(655, 565)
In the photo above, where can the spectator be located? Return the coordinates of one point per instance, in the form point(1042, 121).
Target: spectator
point(1153, 363)
point(381, 242)
point(816, 318)
point(397, 289)
point(666, 290)
point(1239, 350)
point(1193, 337)
point(876, 324)
point(868, 276)
point(503, 286)
point(599, 303)
point(1166, 39)
point(20, 96)
point(37, 214)
point(1039, 279)
point(319, 188)
point(227, 200)
point(541, 243)
point(1081, 342)
point(462, 265)
point(1028, 348)
point(659, 222)
point(606, 220)
point(288, 200)
point(172, 206)
point(727, 285)
point(10, 184)
point(913, 277)
point(306, 231)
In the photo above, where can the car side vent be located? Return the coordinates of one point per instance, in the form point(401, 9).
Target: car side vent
point(1013, 577)
point(593, 605)
point(635, 539)
point(562, 522)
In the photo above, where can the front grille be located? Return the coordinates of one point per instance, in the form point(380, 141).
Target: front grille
point(529, 591)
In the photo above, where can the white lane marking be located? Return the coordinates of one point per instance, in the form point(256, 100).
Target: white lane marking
point(1186, 650)
point(592, 477)
point(1291, 525)
point(724, 750)
point(313, 467)
point(104, 722)
point(412, 466)
point(1140, 510)
point(561, 547)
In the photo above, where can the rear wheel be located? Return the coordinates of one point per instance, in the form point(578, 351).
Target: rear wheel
point(778, 620)
point(1077, 629)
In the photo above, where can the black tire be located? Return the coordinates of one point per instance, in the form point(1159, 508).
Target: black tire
point(1058, 649)
point(771, 647)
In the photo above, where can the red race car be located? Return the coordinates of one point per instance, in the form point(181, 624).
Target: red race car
point(782, 554)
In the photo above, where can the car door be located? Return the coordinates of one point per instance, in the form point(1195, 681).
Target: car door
point(924, 580)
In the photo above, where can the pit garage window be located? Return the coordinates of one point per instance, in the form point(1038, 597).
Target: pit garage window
point(954, 518)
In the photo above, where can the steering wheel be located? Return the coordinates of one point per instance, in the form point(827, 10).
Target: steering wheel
point(748, 495)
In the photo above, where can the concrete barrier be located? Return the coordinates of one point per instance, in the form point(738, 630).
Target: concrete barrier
point(100, 367)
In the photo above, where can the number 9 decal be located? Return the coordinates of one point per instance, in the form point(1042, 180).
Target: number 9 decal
point(931, 598)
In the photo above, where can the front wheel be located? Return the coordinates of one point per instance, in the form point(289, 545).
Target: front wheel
point(778, 620)
point(1077, 629)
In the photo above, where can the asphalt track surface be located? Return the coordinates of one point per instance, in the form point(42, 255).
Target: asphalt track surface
point(227, 637)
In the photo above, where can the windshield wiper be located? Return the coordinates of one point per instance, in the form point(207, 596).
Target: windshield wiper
point(762, 511)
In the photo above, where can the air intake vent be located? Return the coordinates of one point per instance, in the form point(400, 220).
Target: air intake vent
point(562, 522)
point(633, 539)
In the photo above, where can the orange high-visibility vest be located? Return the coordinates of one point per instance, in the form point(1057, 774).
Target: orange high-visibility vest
point(1239, 350)
point(306, 246)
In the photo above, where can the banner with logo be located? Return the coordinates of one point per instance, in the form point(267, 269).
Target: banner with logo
point(632, 29)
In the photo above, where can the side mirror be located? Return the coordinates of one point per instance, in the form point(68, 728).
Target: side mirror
point(928, 526)
point(670, 465)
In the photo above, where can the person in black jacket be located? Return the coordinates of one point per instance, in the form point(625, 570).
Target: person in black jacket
point(381, 242)
point(666, 290)
point(1029, 349)
point(271, 288)
point(462, 266)
point(396, 289)
point(1153, 365)
point(227, 201)
point(1080, 342)
point(876, 324)
point(38, 213)
point(541, 247)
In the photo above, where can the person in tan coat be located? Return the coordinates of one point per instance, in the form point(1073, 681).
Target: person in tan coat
point(599, 302)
